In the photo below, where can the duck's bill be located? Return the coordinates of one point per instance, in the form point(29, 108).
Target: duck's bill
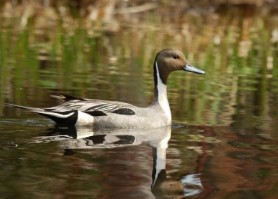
point(193, 69)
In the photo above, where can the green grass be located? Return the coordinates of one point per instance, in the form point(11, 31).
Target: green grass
point(79, 60)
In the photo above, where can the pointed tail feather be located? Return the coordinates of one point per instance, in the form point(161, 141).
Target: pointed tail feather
point(32, 109)
point(63, 118)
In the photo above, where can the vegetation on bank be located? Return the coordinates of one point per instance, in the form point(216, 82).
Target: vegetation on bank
point(67, 46)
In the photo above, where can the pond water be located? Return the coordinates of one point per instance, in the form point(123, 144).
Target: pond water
point(223, 142)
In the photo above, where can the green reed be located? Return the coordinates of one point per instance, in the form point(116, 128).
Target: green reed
point(82, 60)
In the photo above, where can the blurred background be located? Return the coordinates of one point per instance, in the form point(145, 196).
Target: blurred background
point(105, 49)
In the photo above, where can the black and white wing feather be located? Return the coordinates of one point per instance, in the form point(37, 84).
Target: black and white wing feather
point(91, 106)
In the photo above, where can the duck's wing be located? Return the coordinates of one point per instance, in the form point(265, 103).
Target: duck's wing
point(78, 109)
point(92, 106)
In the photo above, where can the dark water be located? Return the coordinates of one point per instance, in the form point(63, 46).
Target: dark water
point(234, 158)
point(223, 142)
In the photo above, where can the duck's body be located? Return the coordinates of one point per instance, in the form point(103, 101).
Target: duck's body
point(142, 118)
point(111, 114)
point(103, 114)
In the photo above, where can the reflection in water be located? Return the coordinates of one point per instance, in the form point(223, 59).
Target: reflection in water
point(202, 162)
point(84, 138)
point(71, 139)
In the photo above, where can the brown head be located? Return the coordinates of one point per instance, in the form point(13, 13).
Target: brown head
point(169, 60)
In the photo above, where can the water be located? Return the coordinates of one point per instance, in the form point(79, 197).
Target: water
point(204, 161)
point(223, 141)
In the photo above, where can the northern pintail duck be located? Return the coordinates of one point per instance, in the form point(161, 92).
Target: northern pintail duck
point(102, 114)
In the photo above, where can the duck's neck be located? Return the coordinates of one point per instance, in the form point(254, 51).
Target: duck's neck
point(160, 92)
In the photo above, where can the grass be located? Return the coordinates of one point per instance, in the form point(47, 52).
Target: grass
point(72, 57)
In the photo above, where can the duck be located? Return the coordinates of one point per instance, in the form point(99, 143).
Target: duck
point(104, 114)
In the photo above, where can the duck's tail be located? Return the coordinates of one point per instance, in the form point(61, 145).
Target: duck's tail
point(32, 109)
point(62, 118)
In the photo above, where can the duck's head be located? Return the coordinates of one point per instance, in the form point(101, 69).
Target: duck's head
point(169, 60)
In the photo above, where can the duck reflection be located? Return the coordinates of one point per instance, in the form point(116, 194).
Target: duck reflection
point(71, 139)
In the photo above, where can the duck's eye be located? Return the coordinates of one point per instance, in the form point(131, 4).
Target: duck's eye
point(176, 56)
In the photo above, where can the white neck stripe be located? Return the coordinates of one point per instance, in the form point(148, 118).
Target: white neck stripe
point(162, 94)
